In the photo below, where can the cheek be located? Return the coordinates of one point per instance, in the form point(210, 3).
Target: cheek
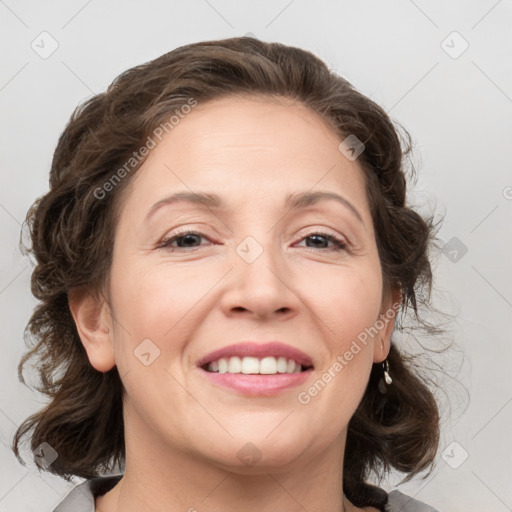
point(347, 300)
point(151, 327)
point(155, 303)
point(348, 307)
point(347, 303)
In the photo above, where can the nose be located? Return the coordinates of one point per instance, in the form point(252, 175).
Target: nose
point(260, 288)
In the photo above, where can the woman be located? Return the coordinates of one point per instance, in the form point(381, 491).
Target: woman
point(252, 369)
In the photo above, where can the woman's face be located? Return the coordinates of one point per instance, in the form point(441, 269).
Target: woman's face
point(303, 278)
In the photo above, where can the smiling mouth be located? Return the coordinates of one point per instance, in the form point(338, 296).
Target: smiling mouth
point(255, 366)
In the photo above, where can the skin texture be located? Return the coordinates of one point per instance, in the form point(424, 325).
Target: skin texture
point(183, 433)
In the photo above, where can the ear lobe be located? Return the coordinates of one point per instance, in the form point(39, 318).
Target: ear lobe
point(93, 322)
point(386, 325)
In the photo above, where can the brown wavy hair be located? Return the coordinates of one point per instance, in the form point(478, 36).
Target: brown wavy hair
point(72, 233)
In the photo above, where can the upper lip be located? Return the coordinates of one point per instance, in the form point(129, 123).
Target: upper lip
point(260, 350)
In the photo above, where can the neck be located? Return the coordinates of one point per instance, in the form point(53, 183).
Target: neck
point(171, 480)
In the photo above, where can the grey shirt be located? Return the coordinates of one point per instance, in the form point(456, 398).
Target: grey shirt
point(81, 498)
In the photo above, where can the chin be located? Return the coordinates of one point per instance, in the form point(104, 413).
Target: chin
point(260, 453)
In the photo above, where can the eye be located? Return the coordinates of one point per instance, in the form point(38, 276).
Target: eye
point(321, 239)
point(192, 240)
point(185, 240)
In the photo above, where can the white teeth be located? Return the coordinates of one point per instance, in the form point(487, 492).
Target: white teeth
point(234, 365)
point(250, 365)
point(223, 365)
point(282, 364)
point(268, 365)
point(253, 365)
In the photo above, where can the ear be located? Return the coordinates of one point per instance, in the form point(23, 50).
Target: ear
point(93, 322)
point(385, 324)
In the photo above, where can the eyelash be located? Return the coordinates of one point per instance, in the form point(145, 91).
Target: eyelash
point(341, 245)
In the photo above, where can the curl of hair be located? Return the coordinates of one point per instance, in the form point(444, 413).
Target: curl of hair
point(72, 230)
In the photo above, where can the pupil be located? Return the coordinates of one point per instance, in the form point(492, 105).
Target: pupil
point(189, 238)
point(318, 238)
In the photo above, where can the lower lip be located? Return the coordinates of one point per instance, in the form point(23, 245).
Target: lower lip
point(257, 384)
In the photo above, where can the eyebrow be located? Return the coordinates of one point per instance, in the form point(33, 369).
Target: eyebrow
point(201, 199)
point(213, 201)
point(304, 199)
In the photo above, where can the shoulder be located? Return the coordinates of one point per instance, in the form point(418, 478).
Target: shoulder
point(399, 502)
point(81, 497)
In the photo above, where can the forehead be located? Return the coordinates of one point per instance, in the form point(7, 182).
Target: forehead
point(253, 123)
point(263, 146)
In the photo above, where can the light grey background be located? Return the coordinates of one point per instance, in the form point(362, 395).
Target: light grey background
point(458, 109)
